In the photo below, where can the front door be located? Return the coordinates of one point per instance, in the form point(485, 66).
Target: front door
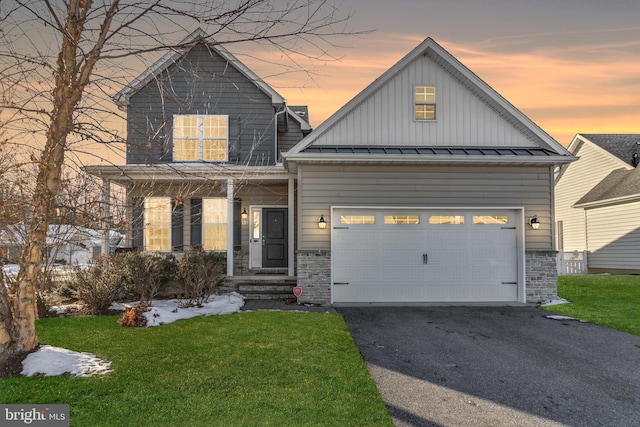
point(274, 237)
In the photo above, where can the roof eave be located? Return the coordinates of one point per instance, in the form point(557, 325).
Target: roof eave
point(605, 202)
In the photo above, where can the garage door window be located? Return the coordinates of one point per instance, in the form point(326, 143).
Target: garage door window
point(402, 219)
point(491, 219)
point(446, 219)
point(358, 219)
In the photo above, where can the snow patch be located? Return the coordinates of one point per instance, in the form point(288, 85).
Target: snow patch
point(560, 317)
point(49, 361)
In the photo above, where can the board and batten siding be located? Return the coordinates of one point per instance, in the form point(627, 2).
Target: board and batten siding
point(462, 118)
point(201, 83)
point(614, 237)
point(322, 186)
point(576, 181)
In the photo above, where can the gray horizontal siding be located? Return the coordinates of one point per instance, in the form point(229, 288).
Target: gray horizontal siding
point(201, 83)
point(323, 186)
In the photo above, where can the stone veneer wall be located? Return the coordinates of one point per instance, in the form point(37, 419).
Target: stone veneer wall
point(314, 276)
point(542, 275)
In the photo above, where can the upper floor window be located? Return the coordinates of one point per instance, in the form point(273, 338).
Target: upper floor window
point(200, 137)
point(425, 102)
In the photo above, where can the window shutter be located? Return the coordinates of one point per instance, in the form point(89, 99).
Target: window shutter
point(137, 222)
point(196, 222)
point(234, 140)
point(177, 222)
point(237, 224)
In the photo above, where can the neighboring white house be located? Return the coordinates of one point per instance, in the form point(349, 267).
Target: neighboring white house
point(597, 200)
point(67, 244)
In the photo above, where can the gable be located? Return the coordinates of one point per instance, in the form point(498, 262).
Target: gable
point(387, 116)
point(469, 114)
point(197, 38)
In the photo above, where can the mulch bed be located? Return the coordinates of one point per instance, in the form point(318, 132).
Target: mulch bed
point(11, 366)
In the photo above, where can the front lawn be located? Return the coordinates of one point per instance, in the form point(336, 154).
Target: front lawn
point(263, 368)
point(607, 300)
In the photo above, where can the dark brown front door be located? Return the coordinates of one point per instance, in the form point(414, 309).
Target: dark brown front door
point(274, 237)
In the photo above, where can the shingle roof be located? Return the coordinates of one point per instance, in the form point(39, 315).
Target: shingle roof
point(619, 184)
point(623, 146)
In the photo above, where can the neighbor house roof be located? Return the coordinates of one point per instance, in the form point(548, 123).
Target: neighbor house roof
point(198, 36)
point(621, 185)
point(623, 146)
point(305, 151)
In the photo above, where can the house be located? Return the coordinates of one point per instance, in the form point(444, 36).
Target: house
point(428, 186)
point(66, 244)
point(434, 189)
point(205, 137)
point(597, 202)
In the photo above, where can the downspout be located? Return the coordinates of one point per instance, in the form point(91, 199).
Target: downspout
point(275, 133)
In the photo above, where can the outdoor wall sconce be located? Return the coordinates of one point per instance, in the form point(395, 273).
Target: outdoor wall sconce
point(322, 224)
point(534, 223)
point(244, 214)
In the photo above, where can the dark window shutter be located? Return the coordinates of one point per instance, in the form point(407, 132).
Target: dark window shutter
point(137, 222)
point(237, 224)
point(196, 222)
point(177, 230)
point(234, 139)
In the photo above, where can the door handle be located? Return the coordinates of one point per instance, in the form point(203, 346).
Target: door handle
point(425, 258)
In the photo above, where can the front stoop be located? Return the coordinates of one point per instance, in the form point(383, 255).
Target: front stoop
point(263, 287)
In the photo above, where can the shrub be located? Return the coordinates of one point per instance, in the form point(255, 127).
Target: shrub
point(198, 275)
point(146, 272)
point(98, 285)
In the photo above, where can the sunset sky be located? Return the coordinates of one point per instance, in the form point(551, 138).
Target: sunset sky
point(572, 66)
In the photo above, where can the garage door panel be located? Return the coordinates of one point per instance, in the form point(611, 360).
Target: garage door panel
point(425, 262)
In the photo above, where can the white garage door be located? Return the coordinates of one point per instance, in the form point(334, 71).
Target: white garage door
point(422, 255)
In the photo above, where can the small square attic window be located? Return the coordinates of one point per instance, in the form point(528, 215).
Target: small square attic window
point(425, 102)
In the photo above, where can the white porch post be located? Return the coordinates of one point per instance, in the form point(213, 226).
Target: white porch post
point(230, 185)
point(106, 212)
point(291, 231)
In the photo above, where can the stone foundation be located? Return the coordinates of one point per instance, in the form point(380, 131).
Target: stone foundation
point(542, 276)
point(314, 276)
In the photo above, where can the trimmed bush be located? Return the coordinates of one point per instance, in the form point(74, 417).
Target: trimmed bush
point(98, 285)
point(198, 275)
point(146, 272)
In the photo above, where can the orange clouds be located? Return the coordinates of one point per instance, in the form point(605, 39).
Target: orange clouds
point(566, 89)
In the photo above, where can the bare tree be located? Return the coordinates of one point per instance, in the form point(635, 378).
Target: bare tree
point(60, 61)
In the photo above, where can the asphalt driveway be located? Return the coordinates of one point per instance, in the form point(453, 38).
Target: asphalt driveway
point(497, 366)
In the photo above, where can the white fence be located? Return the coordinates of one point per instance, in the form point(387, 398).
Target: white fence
point(572, 263)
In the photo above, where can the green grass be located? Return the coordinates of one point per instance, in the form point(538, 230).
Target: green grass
point(248, 369)
point(611, 301)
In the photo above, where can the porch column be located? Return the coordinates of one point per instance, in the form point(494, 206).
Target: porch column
point(291, 231)
point(106, 212)
point(230, 185)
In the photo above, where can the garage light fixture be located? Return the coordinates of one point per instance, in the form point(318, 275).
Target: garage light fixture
point(322, 224)
point(534, 223)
